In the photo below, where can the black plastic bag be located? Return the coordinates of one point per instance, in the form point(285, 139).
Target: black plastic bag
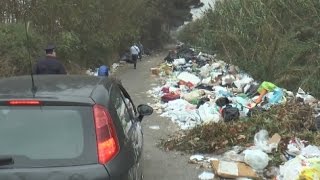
point(223, 101)
point(202, 101)
point(230, 113)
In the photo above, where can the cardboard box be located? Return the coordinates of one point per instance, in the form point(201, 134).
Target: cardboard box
point(275, 139)
point(233, 169)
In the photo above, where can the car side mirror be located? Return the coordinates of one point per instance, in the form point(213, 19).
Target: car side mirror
point(144, 110)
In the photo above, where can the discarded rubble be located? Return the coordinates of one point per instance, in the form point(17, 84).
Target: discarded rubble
point(214, 105)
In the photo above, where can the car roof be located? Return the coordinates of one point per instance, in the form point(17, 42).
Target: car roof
point(52, 86)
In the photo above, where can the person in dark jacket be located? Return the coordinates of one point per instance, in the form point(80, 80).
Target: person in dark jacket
point(49, 64)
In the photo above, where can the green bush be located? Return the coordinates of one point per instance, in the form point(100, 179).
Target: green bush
point(89, 33)
point(14, 54)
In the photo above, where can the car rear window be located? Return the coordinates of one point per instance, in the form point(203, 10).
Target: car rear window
point(47, 136)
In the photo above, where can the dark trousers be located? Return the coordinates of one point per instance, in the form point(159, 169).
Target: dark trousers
point(140, 56)
point(134, 59)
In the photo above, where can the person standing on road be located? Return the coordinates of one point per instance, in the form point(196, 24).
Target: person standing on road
point(134, 54)
point(140, 46)
point(49, 64)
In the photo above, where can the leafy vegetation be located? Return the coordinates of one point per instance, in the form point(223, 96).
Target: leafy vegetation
point(273, 40)
point(86, 32)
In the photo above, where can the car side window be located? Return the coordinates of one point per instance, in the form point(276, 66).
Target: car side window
point(123, 112)
point(129, 105)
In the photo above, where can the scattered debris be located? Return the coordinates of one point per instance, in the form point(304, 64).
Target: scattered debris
point(196, 158)
point(300, 168)
point(155, 71)
point(154, 127)
point(115, 67)
point(271, 172)
point(262, 141)
point(206, 176)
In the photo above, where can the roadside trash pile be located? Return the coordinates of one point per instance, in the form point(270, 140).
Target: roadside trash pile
point(300, 162)
point(219, 107)
point(198, 89)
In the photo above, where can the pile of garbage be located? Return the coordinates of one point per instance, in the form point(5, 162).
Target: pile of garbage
point(215, 103)
point(198, 89)
point(301, 161)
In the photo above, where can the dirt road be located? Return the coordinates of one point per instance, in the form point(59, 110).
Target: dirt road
point(158, 164)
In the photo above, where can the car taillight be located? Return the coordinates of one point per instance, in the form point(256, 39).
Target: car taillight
point(107, 140)
point(24, 102)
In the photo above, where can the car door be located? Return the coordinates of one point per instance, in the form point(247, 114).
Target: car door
point(127, 114)
point(135, 132)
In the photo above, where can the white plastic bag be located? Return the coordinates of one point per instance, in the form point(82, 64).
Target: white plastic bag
point(207, 114)
point(257, 159)
point(233, 155)
point(188, 77)
point(220, 91)
point(243, 81)
point(205, 70)
point(310, 151)
point(216, 65)
point(309, 99)
point(305, 96)
point(197, 158)
point(228, 80)
point(194, 95)
point(261, 138)
point(182, 113)
point(206, 176)
point(295, 146)
point(291, 169)
point(178, 62)
point(115, 65)
point(206, 80)
point(261, 141)
point(216, 74)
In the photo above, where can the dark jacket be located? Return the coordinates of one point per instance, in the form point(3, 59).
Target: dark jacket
point(49, 65)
